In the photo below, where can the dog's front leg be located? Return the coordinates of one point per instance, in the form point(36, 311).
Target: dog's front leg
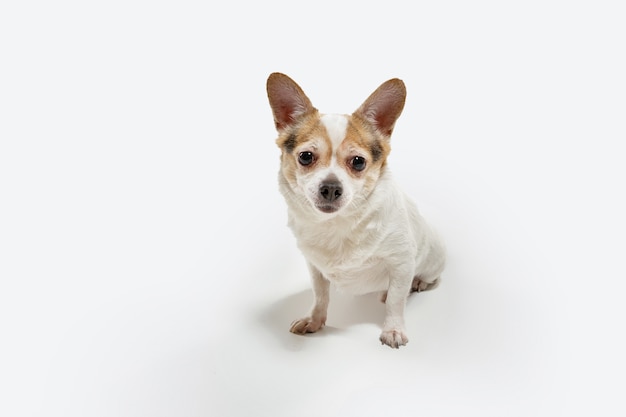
point(317, 316)
point(393, 333)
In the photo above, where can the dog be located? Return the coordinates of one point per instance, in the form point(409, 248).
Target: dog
point(355, 227)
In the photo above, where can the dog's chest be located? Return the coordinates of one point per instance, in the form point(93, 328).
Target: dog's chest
point(360, 279)
point(352, 261)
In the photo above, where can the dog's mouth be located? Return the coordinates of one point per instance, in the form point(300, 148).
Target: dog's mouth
point(327, 208)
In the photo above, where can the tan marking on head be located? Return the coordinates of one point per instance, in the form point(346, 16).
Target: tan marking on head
point(361, 139)
point(307, 136)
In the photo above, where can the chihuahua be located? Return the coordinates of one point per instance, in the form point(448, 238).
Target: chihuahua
point(353, 224)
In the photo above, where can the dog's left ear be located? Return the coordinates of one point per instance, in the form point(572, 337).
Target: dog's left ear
point(383, 107)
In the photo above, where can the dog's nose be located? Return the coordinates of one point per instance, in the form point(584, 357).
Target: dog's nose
point(330, 190)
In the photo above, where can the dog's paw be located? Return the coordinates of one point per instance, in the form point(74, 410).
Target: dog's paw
point(306, 325)
point(418, 285)
point(394, 338)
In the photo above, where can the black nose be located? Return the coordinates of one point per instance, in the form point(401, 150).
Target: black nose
point(330, 190)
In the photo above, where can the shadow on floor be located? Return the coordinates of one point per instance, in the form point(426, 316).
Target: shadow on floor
point(344, 311)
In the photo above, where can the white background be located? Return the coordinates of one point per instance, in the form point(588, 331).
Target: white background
point(146, 268)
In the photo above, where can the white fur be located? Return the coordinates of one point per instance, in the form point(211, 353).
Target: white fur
point(336, 126)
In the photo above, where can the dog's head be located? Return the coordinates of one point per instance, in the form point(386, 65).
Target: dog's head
point(333, 160)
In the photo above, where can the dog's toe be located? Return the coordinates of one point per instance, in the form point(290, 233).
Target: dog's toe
point(394, 338)
point(306, 325)
point(418, 285)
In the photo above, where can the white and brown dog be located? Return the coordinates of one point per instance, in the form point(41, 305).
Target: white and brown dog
point(353, 224)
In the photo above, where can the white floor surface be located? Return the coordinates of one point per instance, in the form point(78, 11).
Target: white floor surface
point(146, 268)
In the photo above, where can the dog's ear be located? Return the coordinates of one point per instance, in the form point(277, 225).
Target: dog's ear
point(287, 100)
point(383, 107)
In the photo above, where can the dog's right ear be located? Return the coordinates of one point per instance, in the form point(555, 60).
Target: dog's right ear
point(288, 101)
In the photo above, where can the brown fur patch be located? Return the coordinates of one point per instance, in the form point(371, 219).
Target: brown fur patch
point(370, 139)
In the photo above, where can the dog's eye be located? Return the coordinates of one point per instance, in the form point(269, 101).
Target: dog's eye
point(306, 158)
point(358, 163)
